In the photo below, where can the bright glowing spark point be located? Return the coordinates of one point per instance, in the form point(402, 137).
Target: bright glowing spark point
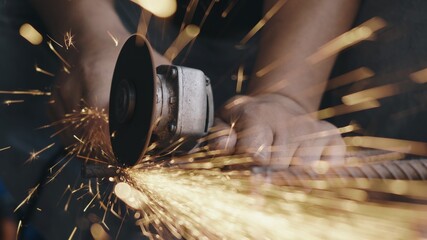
point(190, 32)
point(9, 102)
point(114, 38)
point(69, 40)
point(5, 148)
point(268, 15)
point(66, 70)
point(30, 34)
point(35, 155)
point(160, 8)
point(27, 92)
point(40, 70)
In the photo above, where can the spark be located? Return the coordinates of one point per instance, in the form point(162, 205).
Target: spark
point(189, 13)
point(90, 203)
point(350, 77)
point(160, 8)
point(66, 70)
point(389, 144)
point(268, 15)
point(372, 94)
point(237, 101)
point(205, 16)
point(69, 40)
point(327, 133)
point(54, 41)
point(35, 155)
point(91, 126)
point(10, 102)
point(209, 204)
point(114, 38)
point(98, 232)
point(30, 34)
point(27, 92)
point(5, 148)
point(345, 109)
point(419, 76)
point(58, 55)
point(271, 66)
point(207, 12)
point(320, 167)
point(230, 6)
point(40, 70)
point(240, 79)
point(347, 39)
point(78, 139)
point(27, 199)
point(144, 22)
point(18, 229)
point(72, 233)
point(189, 33)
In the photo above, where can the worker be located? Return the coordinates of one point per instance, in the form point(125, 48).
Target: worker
point(273, 121)
point(277, 106)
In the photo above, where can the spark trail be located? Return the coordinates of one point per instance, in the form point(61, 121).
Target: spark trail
point(208, 204)
point(5, 148)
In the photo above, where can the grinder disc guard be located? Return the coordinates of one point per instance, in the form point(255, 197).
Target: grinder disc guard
point(131, 101)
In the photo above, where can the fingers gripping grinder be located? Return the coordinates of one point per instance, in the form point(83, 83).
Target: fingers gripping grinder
point(160, 106)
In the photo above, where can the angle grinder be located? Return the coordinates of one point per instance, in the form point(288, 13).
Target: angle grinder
point(157, 106)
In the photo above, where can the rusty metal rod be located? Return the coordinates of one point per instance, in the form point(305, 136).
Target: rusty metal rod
point(400, 169)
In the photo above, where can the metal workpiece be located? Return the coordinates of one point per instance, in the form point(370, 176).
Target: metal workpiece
point(98, 170)
point(156, 107)
point(399, 169)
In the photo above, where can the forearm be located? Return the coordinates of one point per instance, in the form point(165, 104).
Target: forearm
point(293, 34)
point(88, 20)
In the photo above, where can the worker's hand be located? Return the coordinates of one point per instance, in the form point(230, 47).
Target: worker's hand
point(89, 77)
point(276, 131)
point(88, 82)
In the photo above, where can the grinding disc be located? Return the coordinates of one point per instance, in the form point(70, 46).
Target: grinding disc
point(132, 101)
